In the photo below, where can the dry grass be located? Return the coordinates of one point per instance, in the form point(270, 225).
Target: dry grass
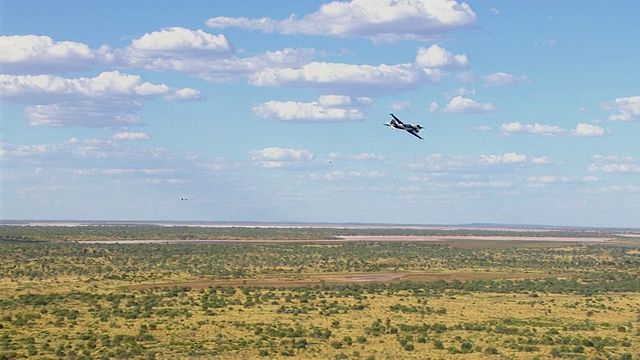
point(356, 278)
point(283, 315)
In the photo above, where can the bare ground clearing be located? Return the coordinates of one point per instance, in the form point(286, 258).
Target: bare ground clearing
point(320, 279)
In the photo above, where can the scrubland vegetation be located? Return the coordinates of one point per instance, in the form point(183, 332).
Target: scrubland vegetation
point(483, 300)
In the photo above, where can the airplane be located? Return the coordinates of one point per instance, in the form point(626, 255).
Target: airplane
point(410, 128)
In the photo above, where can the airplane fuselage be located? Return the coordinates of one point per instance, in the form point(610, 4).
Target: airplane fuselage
point(410, 128)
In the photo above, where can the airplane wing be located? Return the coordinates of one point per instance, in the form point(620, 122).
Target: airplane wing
point(396, 119)
point(414, 134)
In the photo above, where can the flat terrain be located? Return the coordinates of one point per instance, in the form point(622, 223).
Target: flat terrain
point(321, 279)
point(124, 291)
point(373, 238)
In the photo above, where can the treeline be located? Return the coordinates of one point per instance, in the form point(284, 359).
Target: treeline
point(166, 262)
point(157, 232)
point(472, 232)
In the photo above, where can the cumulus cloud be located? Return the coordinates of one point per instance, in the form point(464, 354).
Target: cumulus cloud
point(194, 52)
point(440, 163)
point(588, 130)
point(181, 42)
point(349, 175)
point(461, 91)
point(495, 184)
point(133, 136)
point(615, 164)
point(465, 105)
point(174, 49)
point(548, 180)
point(328, 108)
point(438, 57)
point(379, 21)
point(507, 158)
point(343, 79)
point(110, 99)
point(84, 154)
point(401, 105)
point(184, 94)
point(628, 109)
point(29, 54)
point(581, 130)
point(357, 157)
point(277, 157)
point(502, 79)
point(431, 66)
point(201, 54)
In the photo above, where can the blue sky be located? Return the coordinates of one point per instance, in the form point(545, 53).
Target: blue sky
point(273, 111)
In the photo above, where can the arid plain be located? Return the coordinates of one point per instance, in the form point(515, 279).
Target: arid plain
point(161, 292)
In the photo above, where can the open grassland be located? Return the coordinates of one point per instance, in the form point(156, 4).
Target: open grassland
point(446, 299)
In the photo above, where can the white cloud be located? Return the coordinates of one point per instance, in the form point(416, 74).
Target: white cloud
point(277, 153)
point(134, 136)
point(184, 94)
point(438, 57)
point(547, 180)
point(462, 104)
point(502, 79)
point(24, 88)
point(28, 54)
point(177, 41)
point(615, 164)
point(87, 113)
point(461, 91)
point(201, 54)
point(379, 21)
point(517, 127)
point(401, 105)
point(588, 130)
point(336, 78)
point(613, 189)
point(357, 157)
point(495, 184)
point(110, 99)
point(277, 157)
point(349, 175)
point(366, 157)
point(507, 158)
point(615, 168)
point(604, 158)
point(628, 109)
point(542, 160)
point(366, 80)
point(581, 130)
point(439, 163)
point(87, 155)
point(329, 108)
